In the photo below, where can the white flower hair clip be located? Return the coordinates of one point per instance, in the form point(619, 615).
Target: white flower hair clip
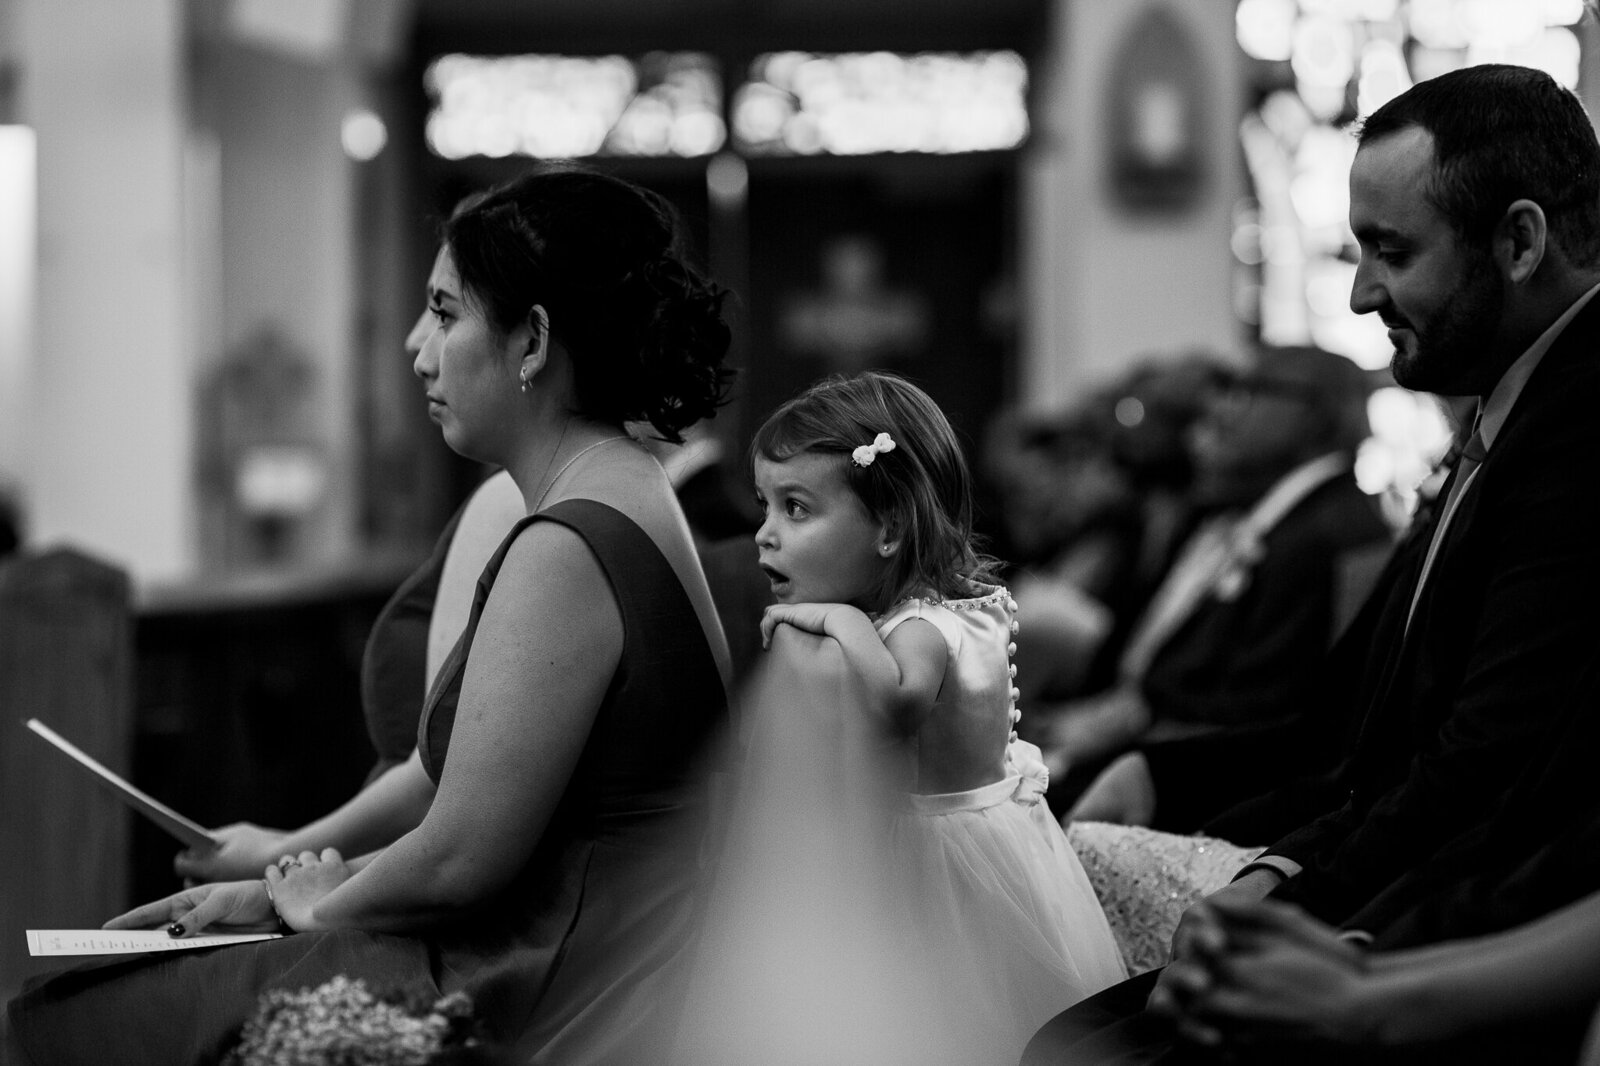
point(868, 453)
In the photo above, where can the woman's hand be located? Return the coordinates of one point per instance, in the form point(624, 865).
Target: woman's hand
point(808, 617)
point(245, 848)
point(230, 907)
point(299, 882)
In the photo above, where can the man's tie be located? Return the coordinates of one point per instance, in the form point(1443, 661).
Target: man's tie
point(1200, 563)
point(1467, 464)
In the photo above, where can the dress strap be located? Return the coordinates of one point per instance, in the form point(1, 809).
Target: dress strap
point(661, 629)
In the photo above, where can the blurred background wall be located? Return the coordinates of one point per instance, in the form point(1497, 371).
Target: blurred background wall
point(215, 217)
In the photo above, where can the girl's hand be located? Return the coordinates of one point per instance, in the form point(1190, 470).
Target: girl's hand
point(299, 882)
point(809, 617)
point(230, 907)
point(244, 850)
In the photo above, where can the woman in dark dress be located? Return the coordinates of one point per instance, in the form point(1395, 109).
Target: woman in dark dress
point(551, 870)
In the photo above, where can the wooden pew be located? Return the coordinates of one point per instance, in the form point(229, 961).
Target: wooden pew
point(65, 658)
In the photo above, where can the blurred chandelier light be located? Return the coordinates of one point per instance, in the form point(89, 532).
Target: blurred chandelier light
point(558, 107)
point(363, 134)
point(799, 103)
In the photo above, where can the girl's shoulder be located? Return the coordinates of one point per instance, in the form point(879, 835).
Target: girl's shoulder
point(988, 607)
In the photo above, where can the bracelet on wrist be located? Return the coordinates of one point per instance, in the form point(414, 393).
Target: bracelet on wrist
point(283, 926)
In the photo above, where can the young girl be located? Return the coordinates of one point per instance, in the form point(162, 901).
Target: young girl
point(868, 540)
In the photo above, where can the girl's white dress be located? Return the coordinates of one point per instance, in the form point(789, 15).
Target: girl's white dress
point(1015, 932)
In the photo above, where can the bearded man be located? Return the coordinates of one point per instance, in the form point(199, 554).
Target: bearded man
point(1475, 200)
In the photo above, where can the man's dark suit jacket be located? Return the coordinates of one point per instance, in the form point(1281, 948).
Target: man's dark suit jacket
point(1455, 710)
point(1475, 727)
point(1235, 680)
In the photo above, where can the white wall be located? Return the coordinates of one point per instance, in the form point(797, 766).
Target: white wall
point(192, 192)
point(18, 266)
point(1102, 287)
point(106, 452)
point(287, 234)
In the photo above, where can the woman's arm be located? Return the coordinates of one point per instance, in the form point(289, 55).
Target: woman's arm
point(546, 647)
point(375, 817)
point(394, 803)
point(903, 673)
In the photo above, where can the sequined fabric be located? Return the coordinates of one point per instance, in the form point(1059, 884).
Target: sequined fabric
point(1146, 880)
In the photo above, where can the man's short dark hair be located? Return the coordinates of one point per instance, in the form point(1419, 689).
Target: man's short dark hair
point(1503, 133)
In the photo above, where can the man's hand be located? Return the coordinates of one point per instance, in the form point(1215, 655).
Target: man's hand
point(1267, 972)
point(1200, 941)
point(1199, 928)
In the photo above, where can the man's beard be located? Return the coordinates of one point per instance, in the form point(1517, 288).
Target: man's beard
point(1448, 349)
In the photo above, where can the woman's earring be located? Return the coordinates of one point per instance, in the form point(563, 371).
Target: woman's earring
point(886, 549)
point(527, 380)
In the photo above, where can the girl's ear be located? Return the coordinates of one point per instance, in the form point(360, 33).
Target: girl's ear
point(536, 349)
point(888, 541)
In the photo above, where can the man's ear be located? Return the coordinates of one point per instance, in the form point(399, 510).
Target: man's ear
point(536, 349)
point(1519, 241)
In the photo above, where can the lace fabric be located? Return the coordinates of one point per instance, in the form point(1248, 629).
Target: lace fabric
point(1146, 880)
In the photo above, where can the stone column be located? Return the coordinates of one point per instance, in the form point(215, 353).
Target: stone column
point(1103, 285)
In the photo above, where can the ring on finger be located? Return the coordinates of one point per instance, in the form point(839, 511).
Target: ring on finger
point(287, 861)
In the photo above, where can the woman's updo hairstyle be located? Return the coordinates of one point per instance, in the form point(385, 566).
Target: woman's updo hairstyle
point(606, 259)
point(921, 490)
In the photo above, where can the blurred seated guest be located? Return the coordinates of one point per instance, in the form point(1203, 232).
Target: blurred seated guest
point(1072, 524)
point(1118, 492)
point(1155, 413)
point(550, 873)
point(1248, 607)
point(715, 495)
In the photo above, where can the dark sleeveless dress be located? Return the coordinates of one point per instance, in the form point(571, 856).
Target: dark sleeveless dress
point(579, 960)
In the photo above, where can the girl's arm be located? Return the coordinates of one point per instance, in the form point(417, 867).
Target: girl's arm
point(903, 674)
point(546, 647)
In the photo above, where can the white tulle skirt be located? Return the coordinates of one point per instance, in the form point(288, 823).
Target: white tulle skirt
point(1013, 927)
point(850, 923)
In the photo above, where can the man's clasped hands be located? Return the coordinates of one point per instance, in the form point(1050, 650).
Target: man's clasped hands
point(1248, 970)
